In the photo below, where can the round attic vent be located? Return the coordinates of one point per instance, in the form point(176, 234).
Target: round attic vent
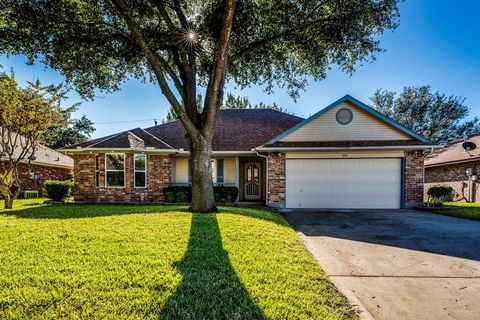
point(344, 116)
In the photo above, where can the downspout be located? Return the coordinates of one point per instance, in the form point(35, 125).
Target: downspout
point(266, 174)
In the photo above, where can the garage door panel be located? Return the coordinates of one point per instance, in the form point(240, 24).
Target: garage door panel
point(343, 183)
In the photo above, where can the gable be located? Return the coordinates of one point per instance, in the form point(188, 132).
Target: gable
point(363, 126)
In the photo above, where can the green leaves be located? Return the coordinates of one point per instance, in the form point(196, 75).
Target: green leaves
point(433, 115)
point(274, 42)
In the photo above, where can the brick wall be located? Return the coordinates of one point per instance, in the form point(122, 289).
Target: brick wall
point(158, 177)
point(414, 178)
point(454, 175)
point(276, 180)
point(42, 173)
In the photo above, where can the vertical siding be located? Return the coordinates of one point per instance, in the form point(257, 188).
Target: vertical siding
point(181, 170)
point(229, 170)
point(364, 126)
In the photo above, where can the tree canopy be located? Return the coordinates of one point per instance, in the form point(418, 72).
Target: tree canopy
point(182, 45)
point(75, 131)
point(436, 116)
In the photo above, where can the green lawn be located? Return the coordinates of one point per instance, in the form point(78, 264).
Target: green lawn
point(462, 210)
point(157, 262)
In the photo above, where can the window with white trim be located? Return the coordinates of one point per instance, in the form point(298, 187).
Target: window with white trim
point(115, 170)
point(97, 170)
point(140, 174)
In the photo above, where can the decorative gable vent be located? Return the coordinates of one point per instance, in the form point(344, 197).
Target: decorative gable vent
point(344, 116)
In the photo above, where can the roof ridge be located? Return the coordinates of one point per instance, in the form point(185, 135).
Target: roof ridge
point(133, 134)
point(157, 138)
point(106, 139)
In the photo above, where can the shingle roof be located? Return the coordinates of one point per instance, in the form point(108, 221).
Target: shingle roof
point(455, 153)
point(136, 138)
point(236, 130)
point(46, 156)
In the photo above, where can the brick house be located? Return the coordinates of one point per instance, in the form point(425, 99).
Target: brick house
point(449, 166)
point(47, 164)
point(345, 156)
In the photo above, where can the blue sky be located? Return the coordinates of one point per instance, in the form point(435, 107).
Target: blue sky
point(437, 43)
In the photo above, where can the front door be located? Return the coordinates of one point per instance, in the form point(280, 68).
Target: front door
point(252, 181)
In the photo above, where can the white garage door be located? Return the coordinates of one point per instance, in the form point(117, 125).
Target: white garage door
point(343, 183)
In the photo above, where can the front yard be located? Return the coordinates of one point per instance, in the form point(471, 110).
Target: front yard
point(462, 210)
point(149, 262)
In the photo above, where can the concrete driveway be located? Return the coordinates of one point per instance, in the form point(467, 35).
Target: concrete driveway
point(398, 264)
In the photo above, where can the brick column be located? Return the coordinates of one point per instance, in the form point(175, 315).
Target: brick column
point(159, 173)
point(84, 177)
point(414, 178)
point(276, 180)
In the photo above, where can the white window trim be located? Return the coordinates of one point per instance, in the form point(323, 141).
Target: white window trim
point(214, 170)
point(124, 175)
point(135, 170)
point(97, 170)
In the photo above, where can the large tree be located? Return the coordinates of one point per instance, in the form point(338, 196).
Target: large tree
point(75, 131)
point(25, 114)
point(181, 45)
point(434, 115)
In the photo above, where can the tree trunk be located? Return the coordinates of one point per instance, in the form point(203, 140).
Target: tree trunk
point(202, 183)
point(8, 202)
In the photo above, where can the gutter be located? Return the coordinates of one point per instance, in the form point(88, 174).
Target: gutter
point(276, 149)
point(451, 162)
point(91, 150)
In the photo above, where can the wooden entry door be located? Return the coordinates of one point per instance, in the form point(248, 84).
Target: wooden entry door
point(253, 180)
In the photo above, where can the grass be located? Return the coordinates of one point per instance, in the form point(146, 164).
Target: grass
point(462, 210)
point(157, 262)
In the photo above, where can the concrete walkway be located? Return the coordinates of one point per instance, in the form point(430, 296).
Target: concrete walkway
point(400, 264)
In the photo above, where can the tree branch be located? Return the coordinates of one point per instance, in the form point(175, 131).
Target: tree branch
point(219, 69)
point(264, 41)
point(187, 61)
point(155, 63)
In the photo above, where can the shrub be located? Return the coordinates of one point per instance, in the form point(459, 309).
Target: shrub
point(169, 196)
point(437, 194)
point(58, 190)
point(183, 194)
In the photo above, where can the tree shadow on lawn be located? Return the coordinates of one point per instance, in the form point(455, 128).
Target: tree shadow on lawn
point(75, 211)
point(210, 288)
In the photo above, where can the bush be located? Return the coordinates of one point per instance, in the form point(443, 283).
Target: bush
point(58, 190)
point(183, 194)
point(437, 194)
point(178, 194)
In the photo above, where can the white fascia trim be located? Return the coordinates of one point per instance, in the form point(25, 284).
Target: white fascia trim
point(125, 150)
point(451, 162)
point(222, 153)
point(274, 149)
point(43, 164)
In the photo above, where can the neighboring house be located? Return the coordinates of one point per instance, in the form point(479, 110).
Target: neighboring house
point(448, 166)
point(47, 164)
point(346, 156)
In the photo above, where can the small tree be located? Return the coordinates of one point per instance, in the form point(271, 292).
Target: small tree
point(25, 113)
